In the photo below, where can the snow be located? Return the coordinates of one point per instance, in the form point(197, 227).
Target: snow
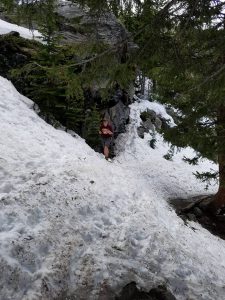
point(6, 27)
point(74, 225)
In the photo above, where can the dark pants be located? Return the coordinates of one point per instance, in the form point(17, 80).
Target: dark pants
point(106, 141)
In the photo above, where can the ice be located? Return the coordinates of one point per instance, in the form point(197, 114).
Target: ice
point(70, 222)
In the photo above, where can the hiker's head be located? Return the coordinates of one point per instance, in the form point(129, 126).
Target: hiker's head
point(105, 121)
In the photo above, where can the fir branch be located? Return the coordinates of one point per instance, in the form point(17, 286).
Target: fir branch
point(207, 177)
point(209, 78)
point(83, 62)
point(191, 161)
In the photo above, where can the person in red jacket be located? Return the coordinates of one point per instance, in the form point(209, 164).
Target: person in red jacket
point(106, 133)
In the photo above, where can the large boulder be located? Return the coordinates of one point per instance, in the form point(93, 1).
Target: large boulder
point(77, 25)
point(119, 115)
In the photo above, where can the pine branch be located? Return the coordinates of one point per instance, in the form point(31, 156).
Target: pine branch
point(209, 78)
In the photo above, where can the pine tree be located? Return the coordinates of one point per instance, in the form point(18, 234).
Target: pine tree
point(186, 58)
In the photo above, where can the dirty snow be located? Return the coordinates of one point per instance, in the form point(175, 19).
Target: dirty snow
point(6, 27)
point(74, 225)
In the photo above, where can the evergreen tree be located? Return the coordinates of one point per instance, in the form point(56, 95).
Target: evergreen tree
point(186, 58)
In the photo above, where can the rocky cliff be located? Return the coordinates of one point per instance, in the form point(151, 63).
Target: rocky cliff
point(79, 25)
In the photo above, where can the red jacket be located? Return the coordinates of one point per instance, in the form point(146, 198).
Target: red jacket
point(109, 127)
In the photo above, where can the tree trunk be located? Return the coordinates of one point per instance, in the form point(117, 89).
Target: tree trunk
point(219, 199)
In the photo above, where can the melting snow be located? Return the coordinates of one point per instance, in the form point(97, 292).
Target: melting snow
point(70, 222)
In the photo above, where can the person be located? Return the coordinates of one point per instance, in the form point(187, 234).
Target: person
point(106, 133)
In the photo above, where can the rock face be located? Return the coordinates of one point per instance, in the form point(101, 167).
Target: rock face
point(119, 115)
point(77, 25)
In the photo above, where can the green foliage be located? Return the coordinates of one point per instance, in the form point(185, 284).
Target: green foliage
point(47, 22)
point(56, 90)
point(58, 75)
point(207, 177)
point(184, 54)
point(91, 127)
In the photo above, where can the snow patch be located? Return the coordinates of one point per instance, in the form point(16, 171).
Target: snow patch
point(70, 222)
point(6, 27)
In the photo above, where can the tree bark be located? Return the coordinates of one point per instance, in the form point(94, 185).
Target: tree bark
point(219, 199)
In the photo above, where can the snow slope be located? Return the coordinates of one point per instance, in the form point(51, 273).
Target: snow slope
point(6, 27)
point(72, 224)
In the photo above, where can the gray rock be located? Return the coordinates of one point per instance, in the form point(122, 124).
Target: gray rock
point(165, 123)
point(141, 131)
point(78, 25)
point(158, 123)
point(117, 96)
point(150, 122)
point(148, 114)
point(152, 114)
point(191, 217)
point(203, 205)
point(197, 211)
point(148, 125)
point(156, 120)
point(119, 115)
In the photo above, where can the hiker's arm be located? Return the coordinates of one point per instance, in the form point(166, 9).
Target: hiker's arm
point(100, 130)
point(110, 130)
